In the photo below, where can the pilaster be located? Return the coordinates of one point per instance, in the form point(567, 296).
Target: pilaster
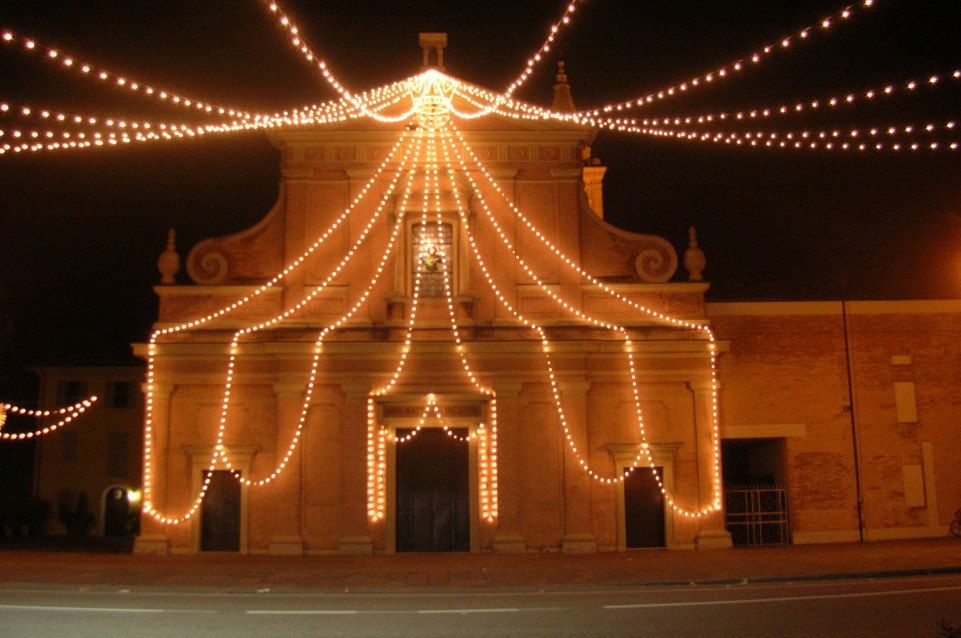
point(578, 529)
point(153, 538)
point(711, 533)
point(508, 537)
point(289, 500)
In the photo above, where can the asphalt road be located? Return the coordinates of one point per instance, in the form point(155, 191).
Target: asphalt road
point(881, 607)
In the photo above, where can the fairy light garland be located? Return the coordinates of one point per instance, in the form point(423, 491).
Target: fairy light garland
point(68, 62)
point(67, 414)
point(821, 140)
point(487, 439)
point(219, 448)
point(850, 99)
point(736, 66)
point(545, 48)
point(644, 448)
point(297, 41)
point(318, 346)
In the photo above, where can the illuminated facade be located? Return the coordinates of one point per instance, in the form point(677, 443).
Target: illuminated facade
point(455, 352)
point(456, 391)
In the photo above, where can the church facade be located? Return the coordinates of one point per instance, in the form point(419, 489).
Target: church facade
point(455, 352)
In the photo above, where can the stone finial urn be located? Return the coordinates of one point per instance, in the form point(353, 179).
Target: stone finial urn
point(694, 260)
point(169, 262)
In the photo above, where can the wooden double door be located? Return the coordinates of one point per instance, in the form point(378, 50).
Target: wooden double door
point(432, 478)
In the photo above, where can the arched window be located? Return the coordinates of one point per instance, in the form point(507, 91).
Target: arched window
point(432, 252)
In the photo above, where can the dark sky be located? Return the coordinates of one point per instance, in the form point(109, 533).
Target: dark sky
point(82, 231)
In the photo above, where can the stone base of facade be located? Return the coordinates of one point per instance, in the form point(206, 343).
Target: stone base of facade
point(830, 536)
point(286, 546)
point(507, 544)
point(714, 539)
point(579, 544)
point(151, 544)
point(357, 545)
point(899, 533)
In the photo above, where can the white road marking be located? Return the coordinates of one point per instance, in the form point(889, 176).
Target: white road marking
point(504, 610)
point(302, 612)
point(781, 599)
point(98, 610)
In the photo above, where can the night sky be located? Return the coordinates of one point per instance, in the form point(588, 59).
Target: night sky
point(82, 230)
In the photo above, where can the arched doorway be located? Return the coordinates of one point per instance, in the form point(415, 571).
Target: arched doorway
point(116, 512)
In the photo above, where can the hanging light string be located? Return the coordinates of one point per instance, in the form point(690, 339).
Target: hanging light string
point(658, 126)
point(836, 140)
point(545, 348)
point(318, 345)
point(430, 408)
point(153, 345)
point(735, 67)
point(851, 99)
point(544, 49)
point(487, 438)
point(376, 447)
point(487, 474)
point(296, 40)
point(850, 139)
point(622, 332)
point(654, 314)
point(68, 62)
point(61, 140)
point(299, 261)
point(66, 414)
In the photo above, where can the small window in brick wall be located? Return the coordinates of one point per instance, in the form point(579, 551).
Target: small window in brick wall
point(121, 395)
point(70, 392)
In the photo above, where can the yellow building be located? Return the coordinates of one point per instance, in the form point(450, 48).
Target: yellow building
point(98, 458)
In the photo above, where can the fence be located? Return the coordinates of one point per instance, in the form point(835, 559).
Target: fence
point(757, 515)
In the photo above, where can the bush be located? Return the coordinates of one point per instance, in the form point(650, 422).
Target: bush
point(78, 520)
point(23, 516)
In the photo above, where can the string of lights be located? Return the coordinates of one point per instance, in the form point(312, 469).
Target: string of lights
point(544, 49)
point(836, 140)
point(620, 330)
point(318, 346)
point(67, 414)
point(220, 451)
point(487, 437)
point(68, 62)
point(735, 67)
point(297, 41)
point(850, 99)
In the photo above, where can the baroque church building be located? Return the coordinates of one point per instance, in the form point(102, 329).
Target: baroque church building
point(434, 342)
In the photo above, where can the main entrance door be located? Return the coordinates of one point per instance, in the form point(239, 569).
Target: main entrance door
point(432, 478)
point(643, 509)
point(220, 514)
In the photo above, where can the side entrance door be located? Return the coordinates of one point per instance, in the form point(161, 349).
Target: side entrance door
point(643, 509)
point(220, 513)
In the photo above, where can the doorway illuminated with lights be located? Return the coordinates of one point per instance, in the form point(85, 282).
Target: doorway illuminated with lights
point(432, 479)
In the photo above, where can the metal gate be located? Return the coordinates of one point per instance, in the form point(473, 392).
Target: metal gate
point(757, 515)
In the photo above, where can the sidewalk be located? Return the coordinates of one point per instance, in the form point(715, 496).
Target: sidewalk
point(649, 567)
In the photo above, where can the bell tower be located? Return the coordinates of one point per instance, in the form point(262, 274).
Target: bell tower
point(433, 45)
